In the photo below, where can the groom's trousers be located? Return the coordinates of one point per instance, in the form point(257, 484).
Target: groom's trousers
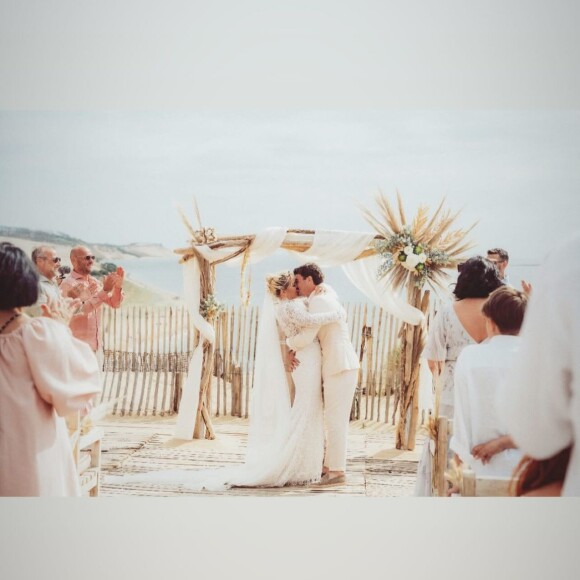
point(338, 395)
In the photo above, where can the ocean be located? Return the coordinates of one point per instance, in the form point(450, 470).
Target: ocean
point(165, 274)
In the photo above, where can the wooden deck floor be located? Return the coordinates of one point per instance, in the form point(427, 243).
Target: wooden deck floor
point(374, 467)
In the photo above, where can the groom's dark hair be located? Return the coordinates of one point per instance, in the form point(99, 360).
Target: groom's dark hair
point(310, 270)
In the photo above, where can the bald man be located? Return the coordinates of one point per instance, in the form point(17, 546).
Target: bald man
point(86, 324)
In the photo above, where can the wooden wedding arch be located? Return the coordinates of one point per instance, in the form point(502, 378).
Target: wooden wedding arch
point(299, 240)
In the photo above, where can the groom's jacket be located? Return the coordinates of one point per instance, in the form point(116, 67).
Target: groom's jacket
point(338, 354)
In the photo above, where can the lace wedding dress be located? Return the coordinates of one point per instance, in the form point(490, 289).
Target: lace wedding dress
point(285, 443)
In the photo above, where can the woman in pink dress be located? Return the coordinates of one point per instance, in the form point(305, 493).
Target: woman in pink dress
point(45, 374)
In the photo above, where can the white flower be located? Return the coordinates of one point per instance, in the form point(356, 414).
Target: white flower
point(408, 250)
point(411, 261)
point(422, 258)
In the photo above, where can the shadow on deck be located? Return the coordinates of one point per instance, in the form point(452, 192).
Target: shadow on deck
point(131, 445)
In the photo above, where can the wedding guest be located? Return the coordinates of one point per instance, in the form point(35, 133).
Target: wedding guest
point(47, 263)
point(479, 437)
point(542, 408)
point(45, 374)
point(501, 259)
point(63, 272)
point(456, 325)
point(86, 324)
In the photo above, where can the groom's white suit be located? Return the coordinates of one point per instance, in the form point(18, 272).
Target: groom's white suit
point(339, 375)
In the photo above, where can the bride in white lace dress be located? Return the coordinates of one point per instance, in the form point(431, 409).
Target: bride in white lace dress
point(285, 441)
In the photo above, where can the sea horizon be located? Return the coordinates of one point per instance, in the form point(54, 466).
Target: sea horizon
point(165, 275)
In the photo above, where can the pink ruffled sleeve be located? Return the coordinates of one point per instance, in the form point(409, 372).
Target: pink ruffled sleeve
point(65, 370)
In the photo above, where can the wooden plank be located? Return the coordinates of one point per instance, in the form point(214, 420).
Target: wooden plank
point(441, 456)
point(146, 362)
point(153, 359)
point(136, 354)
point(241, 361)
point(226, 354)
point(122, 326)
point(158, 359)
point(381, 339)
point(255, 344)
point(231, 354)
point(384, 342)
point(105, 340)
point(218, 358)
point(388, 370)
point(249, 352)
point(376, 343)
point(166, 375)
point(124, 402)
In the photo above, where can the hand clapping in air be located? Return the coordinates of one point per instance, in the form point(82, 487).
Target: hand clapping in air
point(114, 280)
point(61, 310)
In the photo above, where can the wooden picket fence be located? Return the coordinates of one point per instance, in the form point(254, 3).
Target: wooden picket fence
point(147, 352)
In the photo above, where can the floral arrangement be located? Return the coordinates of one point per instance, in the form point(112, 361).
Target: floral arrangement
point(416, 252)
point(210, 308)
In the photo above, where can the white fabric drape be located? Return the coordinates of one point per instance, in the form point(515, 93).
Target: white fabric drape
point(363, 275)
point(264, 244)
point(334, 248)
point(190, 393)
point(270, 408)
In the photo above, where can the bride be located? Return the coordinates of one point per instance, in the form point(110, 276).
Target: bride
point(285, 441)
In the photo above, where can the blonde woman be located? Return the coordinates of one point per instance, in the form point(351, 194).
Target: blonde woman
point(285, 441)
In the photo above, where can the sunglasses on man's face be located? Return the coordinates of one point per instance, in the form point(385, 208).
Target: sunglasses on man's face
point(87, 258)
point(53, 260)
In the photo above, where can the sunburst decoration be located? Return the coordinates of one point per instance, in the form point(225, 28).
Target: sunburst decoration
point(420, 251)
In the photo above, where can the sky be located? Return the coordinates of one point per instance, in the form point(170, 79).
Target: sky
point(117, 177)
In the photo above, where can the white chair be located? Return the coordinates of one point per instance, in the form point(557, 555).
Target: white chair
point(87, 454)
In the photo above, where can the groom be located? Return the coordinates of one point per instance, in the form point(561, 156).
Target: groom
point(339, 369)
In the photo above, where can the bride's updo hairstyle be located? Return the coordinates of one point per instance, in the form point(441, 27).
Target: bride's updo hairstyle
point(276, 283)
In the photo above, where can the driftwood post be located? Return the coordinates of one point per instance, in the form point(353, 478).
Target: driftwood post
point(412, 344)
point(203, 425)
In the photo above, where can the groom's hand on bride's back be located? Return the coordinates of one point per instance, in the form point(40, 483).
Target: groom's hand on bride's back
point(292, 362)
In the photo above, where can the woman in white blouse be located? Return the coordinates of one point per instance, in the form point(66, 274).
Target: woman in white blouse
point(456, 325)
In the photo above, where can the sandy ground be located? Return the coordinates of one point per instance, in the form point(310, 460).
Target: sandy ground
point(131, 445)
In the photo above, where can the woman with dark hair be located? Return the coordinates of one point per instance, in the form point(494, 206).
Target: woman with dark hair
point(456, 325)
point(45, 374)
point(459, 323)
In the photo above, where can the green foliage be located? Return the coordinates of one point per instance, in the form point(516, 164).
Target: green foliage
point(106, 268)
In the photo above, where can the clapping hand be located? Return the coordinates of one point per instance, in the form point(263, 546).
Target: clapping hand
point(109, 282)
point(75, 291)
point(120, 273)
point(60, 310)
point(114, 280)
